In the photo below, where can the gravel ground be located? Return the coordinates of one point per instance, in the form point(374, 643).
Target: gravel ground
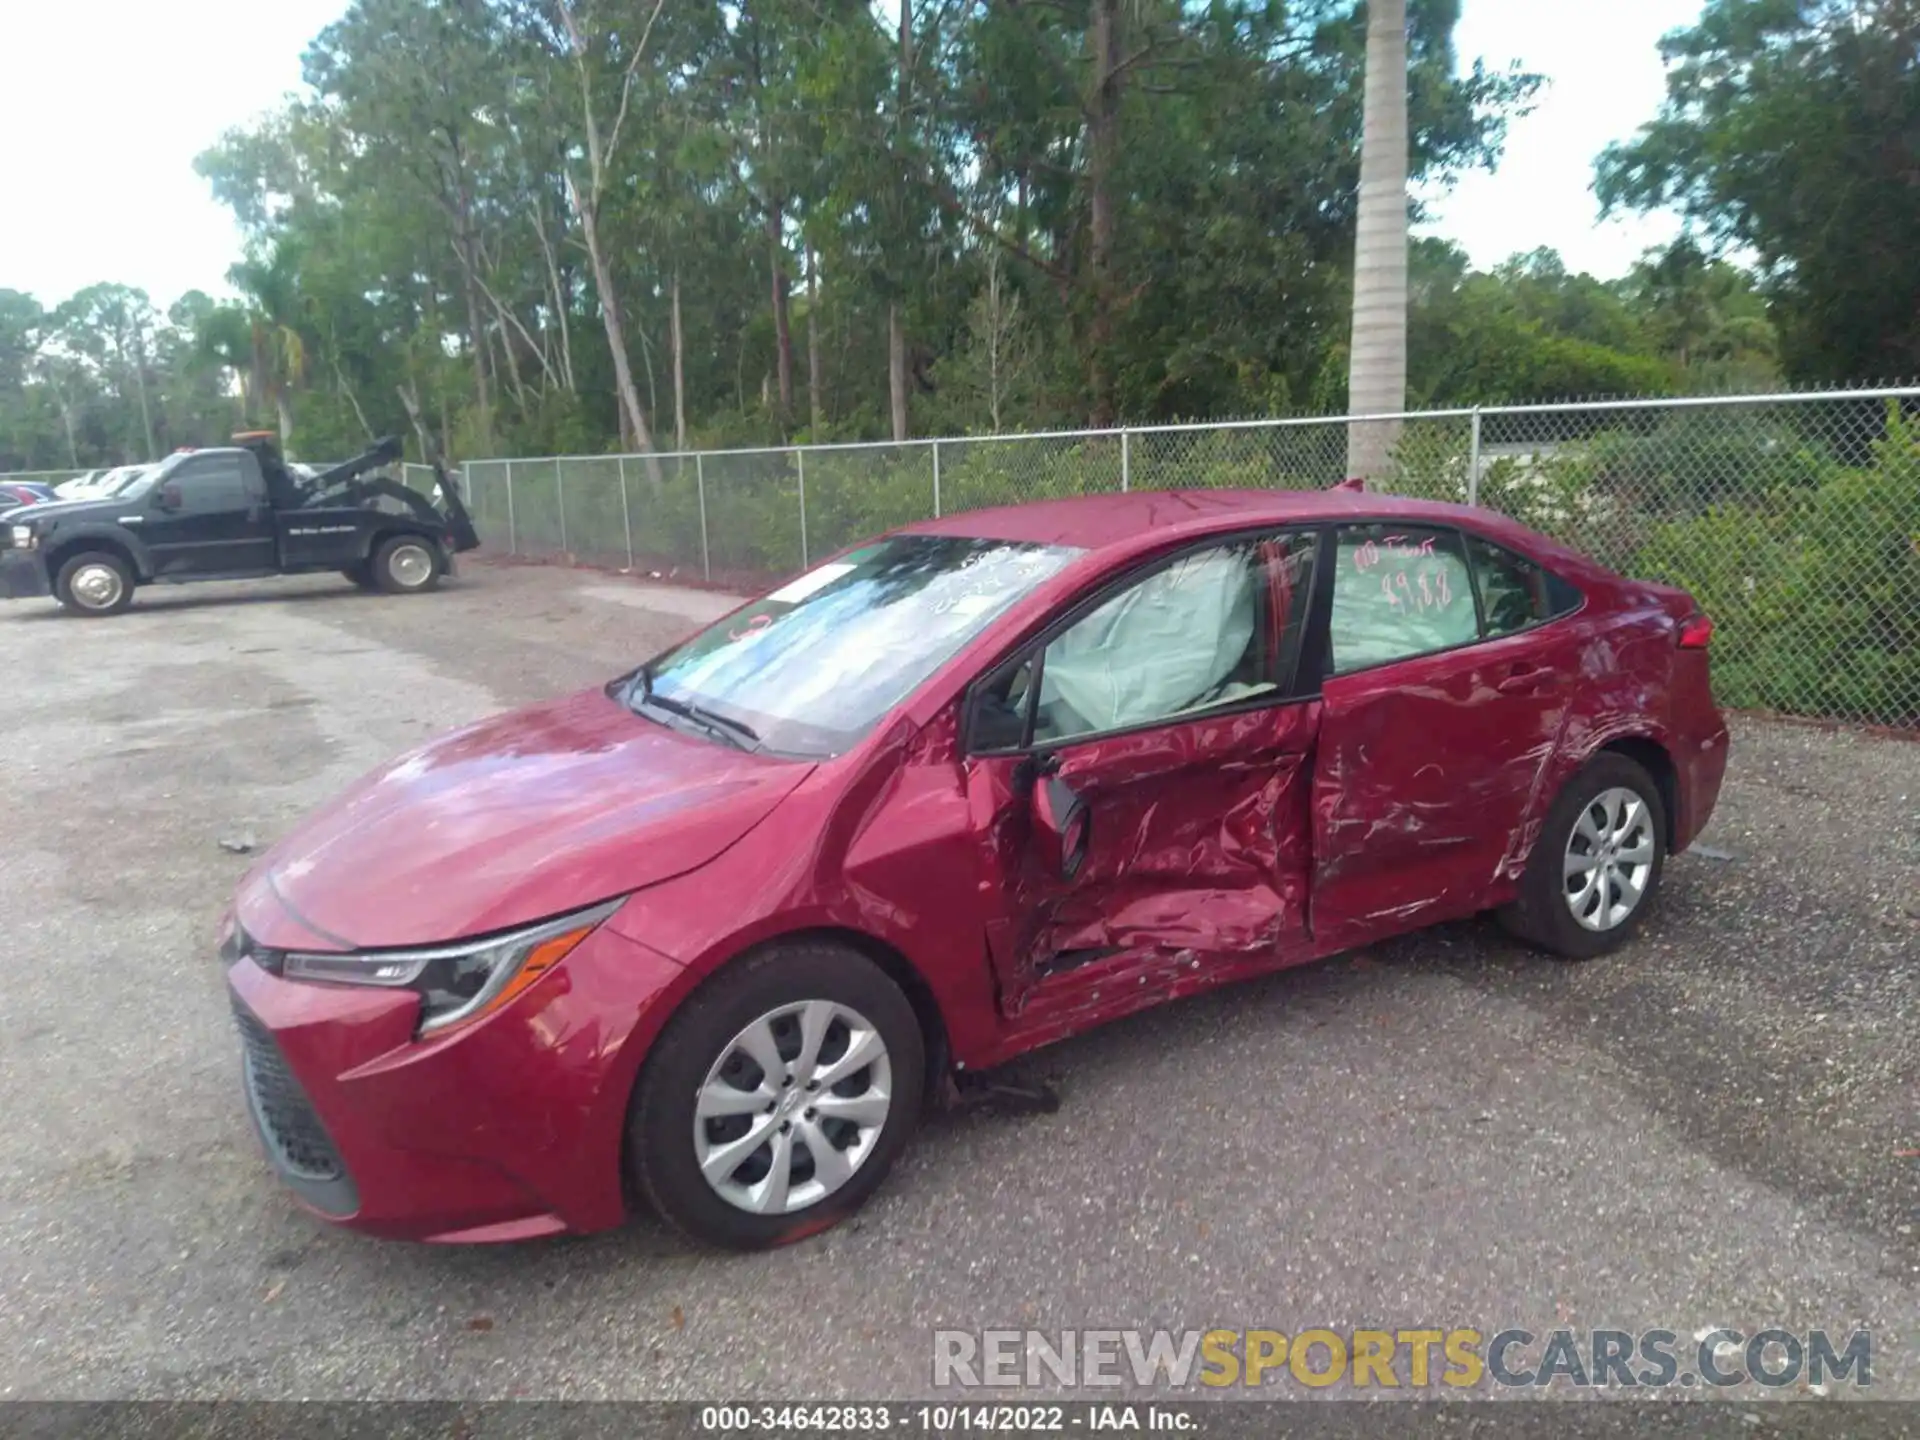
point(1716, 1127)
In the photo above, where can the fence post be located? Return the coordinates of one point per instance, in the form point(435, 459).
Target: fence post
point(560, 489)
point(1126, 461)
point(800, 466)
point(626, 515)
point(936, 479)
point(513, 535)
point(1473, 462)
point(700, 481)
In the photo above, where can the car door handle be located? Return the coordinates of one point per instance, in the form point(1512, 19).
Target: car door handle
point(1525, 680)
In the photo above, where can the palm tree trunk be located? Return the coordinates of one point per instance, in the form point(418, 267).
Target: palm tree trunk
point(816, 404)
point(1103, 157)
point(782, 330)
point(1377, 363)
point(679, 372)
point(897, 371)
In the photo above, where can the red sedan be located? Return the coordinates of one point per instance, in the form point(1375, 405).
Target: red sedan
point(709, 937)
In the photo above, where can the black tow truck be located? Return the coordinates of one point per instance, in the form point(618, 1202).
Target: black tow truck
point(235, 513)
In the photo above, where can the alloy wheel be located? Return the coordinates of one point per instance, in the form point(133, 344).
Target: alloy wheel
point(793, 1106)
point(1609, 860)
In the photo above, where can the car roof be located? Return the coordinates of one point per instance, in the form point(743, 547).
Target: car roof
point(1121, 525)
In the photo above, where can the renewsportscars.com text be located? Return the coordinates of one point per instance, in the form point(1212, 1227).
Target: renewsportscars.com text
point(1413, 1358)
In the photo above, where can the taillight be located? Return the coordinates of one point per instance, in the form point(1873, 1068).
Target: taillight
point(1697, 633)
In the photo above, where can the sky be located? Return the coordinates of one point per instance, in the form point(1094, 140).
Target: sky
point(97, 181)
point(1604, 80)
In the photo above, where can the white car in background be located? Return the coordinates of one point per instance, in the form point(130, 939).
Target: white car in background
point(79, 487)
point(99, 484)
point(118, 479)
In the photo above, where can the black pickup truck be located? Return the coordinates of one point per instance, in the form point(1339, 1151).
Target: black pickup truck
point(234, 513)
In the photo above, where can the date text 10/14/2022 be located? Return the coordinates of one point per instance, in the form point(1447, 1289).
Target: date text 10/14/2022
point(950, 1419)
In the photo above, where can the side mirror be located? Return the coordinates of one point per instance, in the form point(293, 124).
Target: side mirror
point(1064, 819)
point(169, 497)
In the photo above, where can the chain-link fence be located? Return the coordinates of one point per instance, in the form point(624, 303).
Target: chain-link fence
point(1794, 519)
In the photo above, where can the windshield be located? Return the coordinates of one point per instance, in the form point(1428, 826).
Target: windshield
point(814, 666)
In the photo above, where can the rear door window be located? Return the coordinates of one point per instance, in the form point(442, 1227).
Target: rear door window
point(1398, 591)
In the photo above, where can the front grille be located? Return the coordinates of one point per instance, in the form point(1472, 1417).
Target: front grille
point(292, 1131)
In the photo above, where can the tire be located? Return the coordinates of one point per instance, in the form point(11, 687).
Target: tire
point(700, 1053)
point(1595, 805)
point(361, 574)
point(406, 565)
point(94, 583)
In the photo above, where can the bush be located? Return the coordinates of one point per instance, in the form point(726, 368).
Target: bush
point(1814, 591)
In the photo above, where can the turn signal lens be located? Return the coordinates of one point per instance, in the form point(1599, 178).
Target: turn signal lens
point(1696, 633)
point(542, 958)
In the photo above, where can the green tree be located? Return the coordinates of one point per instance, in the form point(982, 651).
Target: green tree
point(1788, 131)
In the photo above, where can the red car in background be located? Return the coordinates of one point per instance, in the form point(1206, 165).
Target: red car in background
point(708, 936)
point(17, 494)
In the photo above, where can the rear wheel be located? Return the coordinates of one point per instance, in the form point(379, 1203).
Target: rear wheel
point(95, 583)
point(361, 574)
point(1596, 867)
point(776, 1100)
point(406, 565)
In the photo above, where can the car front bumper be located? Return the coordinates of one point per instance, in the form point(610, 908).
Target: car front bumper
point(23, 576)
point(508, 1128)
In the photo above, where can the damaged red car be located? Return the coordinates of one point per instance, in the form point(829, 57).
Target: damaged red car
point(708, 938)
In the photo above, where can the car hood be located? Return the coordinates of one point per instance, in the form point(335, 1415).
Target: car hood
point(518, 818)
point(48, 509)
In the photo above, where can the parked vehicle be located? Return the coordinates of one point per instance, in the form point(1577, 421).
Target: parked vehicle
point(117, 481)
point(79, 486)
point(710, 935)
point(15, 494)
point(232, 513)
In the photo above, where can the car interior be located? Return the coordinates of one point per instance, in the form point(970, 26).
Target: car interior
point(1201, 632)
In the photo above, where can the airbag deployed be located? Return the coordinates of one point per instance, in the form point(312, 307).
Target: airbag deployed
point(1157, 649)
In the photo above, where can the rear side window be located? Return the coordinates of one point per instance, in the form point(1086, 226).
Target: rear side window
point(1516, 592)
point(1398, 591)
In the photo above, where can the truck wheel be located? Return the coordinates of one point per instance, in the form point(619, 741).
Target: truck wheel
point(360, 573)
point(406, 565)
point(97, 582)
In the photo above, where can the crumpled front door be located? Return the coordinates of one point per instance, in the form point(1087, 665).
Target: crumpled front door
point(1198, 850)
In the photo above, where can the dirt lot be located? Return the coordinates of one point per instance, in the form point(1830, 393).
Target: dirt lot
point(1718, 1127)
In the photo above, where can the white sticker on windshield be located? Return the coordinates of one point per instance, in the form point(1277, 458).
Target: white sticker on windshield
point(794, 591)
point(970, 605)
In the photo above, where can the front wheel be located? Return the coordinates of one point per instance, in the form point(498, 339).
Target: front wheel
point(407, 565)
point(776, 1100)
point(96, 583)
point(1596, 867)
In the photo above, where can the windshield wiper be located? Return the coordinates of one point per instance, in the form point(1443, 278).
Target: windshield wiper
point(736, 732)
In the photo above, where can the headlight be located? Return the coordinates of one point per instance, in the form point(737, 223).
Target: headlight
point(23, 537)
point(458, 982)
